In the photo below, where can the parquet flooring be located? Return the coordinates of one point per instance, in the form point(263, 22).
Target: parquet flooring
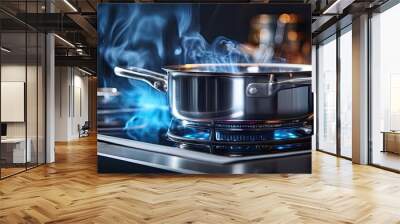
point(71, 191)
point(10, 171)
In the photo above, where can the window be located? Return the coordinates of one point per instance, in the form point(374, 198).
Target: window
point(385, 89)
point(326, 116)
point(346, 93)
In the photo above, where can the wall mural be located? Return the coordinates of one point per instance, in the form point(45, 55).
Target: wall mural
point(204, 88)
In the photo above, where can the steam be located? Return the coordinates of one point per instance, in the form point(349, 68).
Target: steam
point(136, 35)
point(220, 51)
point(151, 36)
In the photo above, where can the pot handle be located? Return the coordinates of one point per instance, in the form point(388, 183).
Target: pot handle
point(156, 80)
point(270, 88)
point(293, 83)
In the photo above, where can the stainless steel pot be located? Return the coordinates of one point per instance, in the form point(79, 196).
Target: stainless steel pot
point(206, 92)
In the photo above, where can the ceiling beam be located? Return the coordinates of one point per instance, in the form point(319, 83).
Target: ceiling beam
point(86, 27)
point(79, 61)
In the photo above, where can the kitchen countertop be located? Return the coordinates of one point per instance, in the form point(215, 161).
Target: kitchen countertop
point(113, 154)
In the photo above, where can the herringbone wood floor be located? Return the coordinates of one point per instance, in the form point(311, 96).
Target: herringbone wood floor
point(71, 191)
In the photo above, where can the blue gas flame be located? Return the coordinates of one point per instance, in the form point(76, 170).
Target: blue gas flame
point(151, 119)
point(283, 134)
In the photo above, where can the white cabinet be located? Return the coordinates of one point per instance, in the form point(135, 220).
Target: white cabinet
point(19, 155)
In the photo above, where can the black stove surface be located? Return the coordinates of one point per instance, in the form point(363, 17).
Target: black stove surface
point(234, 138)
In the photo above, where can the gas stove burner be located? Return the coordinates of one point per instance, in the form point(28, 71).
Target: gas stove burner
point(240, 133)
point(246, 125)
point(245, 138)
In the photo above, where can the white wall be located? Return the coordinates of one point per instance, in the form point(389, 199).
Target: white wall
point(61, 103)
point(81, 104)
point(16, 73)
point(33, 127)
point(13, 73)
point(71, 102)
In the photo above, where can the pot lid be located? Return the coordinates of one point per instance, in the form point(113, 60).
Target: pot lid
point(240, 68)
